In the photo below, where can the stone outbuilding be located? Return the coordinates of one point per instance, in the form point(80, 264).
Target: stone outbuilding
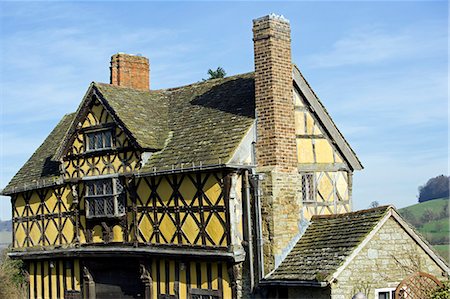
point(368, 251)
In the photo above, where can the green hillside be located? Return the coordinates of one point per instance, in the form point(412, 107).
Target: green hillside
point(431, 219)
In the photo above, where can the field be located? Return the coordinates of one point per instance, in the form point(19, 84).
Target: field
point(431, 220)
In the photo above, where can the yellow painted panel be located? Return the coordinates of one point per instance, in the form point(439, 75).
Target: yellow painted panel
point(212, 189)
point(61, 280)
point(214, 230)
point(164, 191)
point(204, 276)
point(65, 196)
point(193, 269)
point(342, 185)
point(68, 230)
point(309, 124)
point(35, 233)
point(305, 151)
point(154, 281)
point(187, 190)
point(117, 233)
point(182, 290)
point(172, 277)
point(77, 275)
point(325, 187)
point(146, 228)
point(162, 275)
point(38, 280)
point(51, 202)
point(20, 206)
point(32, 274)
point(54, 280)
point(19, 235)
point(143, 191)
point(167, 228)
point(46, 277)
point(226, 282)
point(214, 276)
point(51, 232)
point(190, 228)
point(299, 122)
point(97, 234)
point(297, 100)
point(324, 151)
point(35, 203)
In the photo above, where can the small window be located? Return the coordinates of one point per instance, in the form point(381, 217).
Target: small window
point(386, 293)
point(205, 294)
point(104, 198)
point(308, 190)
point(98, 140)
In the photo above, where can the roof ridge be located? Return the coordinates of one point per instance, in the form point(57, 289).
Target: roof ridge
point(170, 89)
point(354, 213)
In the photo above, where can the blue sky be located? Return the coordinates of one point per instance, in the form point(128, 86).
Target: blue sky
point(380, 68)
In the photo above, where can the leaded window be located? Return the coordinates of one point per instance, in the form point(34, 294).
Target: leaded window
point(98, 140)
point(308, 188)
point(104, 198)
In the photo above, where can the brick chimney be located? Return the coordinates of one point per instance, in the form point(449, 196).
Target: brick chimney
point(276, 148)
point(276, 144)
point(131, 71)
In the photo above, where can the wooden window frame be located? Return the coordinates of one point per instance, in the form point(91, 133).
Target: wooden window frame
point(115, 196)
point(98, 132)
point(390, 291)
point(308, 186)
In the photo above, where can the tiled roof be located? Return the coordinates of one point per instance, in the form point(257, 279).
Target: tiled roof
point(41, 168)
point(326, 244)
point(200, 124)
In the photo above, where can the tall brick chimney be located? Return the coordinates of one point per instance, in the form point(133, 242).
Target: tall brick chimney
point(276, 148)
point(276, 144)
point(130, 71)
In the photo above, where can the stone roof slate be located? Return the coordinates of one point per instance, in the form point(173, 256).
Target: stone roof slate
point(197, 124)
point(326, 244)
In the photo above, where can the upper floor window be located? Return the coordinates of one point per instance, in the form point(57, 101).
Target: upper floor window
point(104, 198)
point(308, 189)
point(98, 140)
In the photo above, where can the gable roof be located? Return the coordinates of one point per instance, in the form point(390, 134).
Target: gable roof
point(42, 169)
point(326, 244)
point(197, 125)
point(325, 119)
point(331, 242)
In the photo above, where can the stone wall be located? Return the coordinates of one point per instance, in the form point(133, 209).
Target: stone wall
point(389, 257)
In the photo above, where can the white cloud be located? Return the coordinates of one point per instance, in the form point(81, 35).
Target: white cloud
point(374, 45)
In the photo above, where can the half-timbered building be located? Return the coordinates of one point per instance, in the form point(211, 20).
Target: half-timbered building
point(199, 191)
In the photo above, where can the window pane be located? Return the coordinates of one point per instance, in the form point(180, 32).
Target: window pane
point(99, 140)
point(109, 206)
point(108, 187)
point(99, 206)
point(90, 189)
point(107, 137)
point(91, 142)
point(383, 295)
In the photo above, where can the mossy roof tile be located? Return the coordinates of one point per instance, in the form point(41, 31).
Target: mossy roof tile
point(326, 244)
point(201, 123)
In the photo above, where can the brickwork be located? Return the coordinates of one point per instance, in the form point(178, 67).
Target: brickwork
point(384, 262)
point(276, 145)
point(130, 71)
point(276, 149)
